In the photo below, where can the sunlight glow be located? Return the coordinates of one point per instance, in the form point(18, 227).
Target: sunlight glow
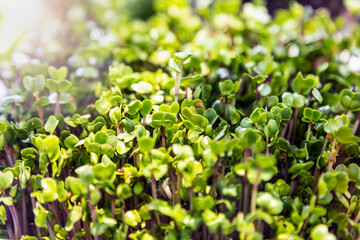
point(21, 18)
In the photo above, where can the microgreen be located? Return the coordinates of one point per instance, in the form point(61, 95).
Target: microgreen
point(212, 120)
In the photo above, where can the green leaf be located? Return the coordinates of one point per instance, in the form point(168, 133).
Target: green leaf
point(294, 100)
point(142, 87)
point(42, 101)
point(317, 95)
point(202, 203)
point(146, 107)
point(49, 192)
point(100, 137)
point(51, 124)
point(173, 108)
point(34, 84)
point(311, 116)
point(86, 174)
point(58, 86)
point(52, 85)
point(226, 87)
point(115, 115)
point(132, 218)
point(350, 100)
point(212, 220)
point(3, 127)
point(342, 182)
point(146, 144)
point(249, 138)
point(63, 85)
point(73, 217)
point(345, 135)
point(303, 85)
point(6, 179)
point(58, 74)
point(301, 167)
point(102, 106)
point(162, 119)
point(51, 144)
point(40, 217)
point(133, 107)
point(353, 171)
point(138, 188)
point(187, 80)
point(174, 65)
point(333, 125)
point(123, 191)
point(272, 101)
point(264, 89)
point(321, 232)
point(95, 195)
point(71, 141)
point(268, 202)
point(182, 56)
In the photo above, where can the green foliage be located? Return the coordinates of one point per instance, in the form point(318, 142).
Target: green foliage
point(212, 120)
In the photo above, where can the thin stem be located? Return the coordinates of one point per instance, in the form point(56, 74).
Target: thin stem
point(9, 155)
point(178, 82)
point(294, 129)
point(308, 131)
point(135, 155)
point(356, 220)
point(117, 128)
point(40, 111)
point(215, 175)
point(226, 108)
point(186, 135)
point(333, 156)
point(57, 106)
point(38, 232)
point(23, 211)
point(303, 227)
point(246, 185)
point(15, 113)
point(223, 168)
point(122, 212)
point(203, 229)
point(58, 9)
point(10, 231)
point(16, 221)
point(92, 211)
point(291, 126)
point(51, 232)
point(113, 206)
point(172, 182)
point(186, 92)
point(356, 124)
point(191, 193)
point(54, 210)
point(325, 144)
point(15, 217)
point(87, 230)
point(178, 186)
point(284, 130)
point(153, 191)
point(163, 139)
point(293, 186)
point(144, 120)
point(255, 190)
point(241, 85)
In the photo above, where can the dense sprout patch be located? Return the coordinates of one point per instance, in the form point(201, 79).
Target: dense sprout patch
point(209, 122)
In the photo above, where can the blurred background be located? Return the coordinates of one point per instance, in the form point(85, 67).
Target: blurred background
point(87, 35)
point(32, 23)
